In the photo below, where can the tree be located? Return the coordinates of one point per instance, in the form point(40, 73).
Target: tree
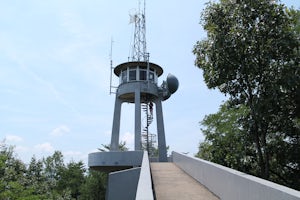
point(35, 171)
point(225, 140)
point(49, 178)
point(12, 169)
point(36, 179)
point(94, 187)
point(52, 167)
point(72, 177)
point(14, 183)
point(252, 54)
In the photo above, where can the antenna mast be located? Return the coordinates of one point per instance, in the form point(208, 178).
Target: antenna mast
point(139, 50)
point(111, 87)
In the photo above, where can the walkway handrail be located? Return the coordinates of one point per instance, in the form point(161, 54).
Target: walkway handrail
point(230, 184)
point(144, 188)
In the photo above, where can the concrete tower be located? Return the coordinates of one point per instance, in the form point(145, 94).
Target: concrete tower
point(138, 84)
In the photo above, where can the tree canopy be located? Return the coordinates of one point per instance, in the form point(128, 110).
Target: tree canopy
point(48, 178)
point(252, 54)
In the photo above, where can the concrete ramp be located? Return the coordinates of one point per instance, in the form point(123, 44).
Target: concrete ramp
point(170, 182)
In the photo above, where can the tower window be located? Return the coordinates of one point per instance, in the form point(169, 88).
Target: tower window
point(124, 76)
point(143, 74)
point(151, 76)
point(132, 74)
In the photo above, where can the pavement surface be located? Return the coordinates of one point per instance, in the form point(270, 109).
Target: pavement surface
point(170, 182)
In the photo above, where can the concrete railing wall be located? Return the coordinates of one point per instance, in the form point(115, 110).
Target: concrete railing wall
point(122, 184)
point(144, 188)
point(133, 183)
point(229, 184)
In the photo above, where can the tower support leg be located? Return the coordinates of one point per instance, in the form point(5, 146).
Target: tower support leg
point(114, 144)
point(162, 148)
point(137, 125)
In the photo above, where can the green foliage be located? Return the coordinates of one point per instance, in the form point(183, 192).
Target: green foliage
point(225, 142)
point(72, 177)
point(94, 187)
point(154, 151)
point(106, 147)
point(48, 179)
point(252, 54)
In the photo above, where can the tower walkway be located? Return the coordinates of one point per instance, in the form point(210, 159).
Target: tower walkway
point(170, 182)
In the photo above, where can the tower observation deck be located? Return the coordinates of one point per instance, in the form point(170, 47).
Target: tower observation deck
point(141, 74)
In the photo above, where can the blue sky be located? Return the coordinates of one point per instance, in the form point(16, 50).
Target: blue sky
point(54, 73)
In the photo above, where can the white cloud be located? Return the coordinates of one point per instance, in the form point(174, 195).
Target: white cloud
point(75, 156)
point(21, 149)
point(60, 131)
point(13, 138)
point(44, 147)
point(73, 153)
point(93, 151)
point(129, 139)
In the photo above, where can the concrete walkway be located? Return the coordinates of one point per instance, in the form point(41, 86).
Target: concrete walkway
point(170, 182)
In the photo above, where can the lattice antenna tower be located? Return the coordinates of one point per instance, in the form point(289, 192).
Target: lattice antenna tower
point(139, 49)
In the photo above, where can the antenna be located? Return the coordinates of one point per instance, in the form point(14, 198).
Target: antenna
point(139, 42)
point(111, 67)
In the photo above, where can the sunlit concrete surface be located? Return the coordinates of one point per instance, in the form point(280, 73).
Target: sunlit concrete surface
point(170, 182)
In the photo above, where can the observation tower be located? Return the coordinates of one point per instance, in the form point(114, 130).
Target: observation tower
point(138, 85)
